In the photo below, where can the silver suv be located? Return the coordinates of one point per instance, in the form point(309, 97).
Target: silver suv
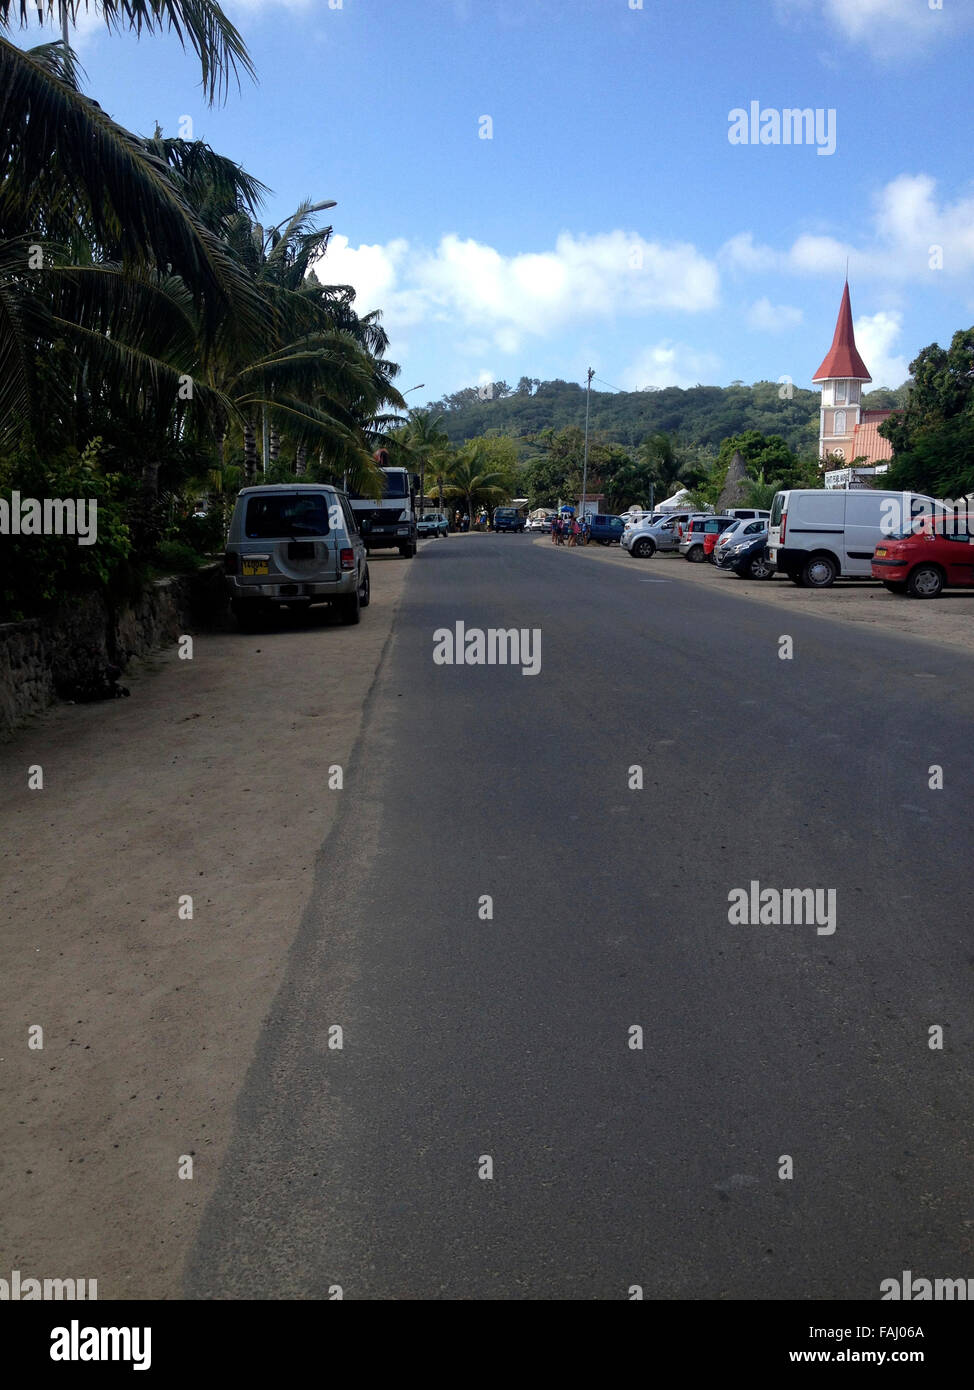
point(294, 544)
point(660, 533)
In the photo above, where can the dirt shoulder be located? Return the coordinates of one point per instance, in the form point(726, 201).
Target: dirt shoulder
point(948, 621)
point(210, 781)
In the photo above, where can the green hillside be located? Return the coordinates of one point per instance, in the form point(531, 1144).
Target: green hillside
point(700, 416)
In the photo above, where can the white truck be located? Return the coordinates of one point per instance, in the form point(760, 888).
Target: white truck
point(389, 524)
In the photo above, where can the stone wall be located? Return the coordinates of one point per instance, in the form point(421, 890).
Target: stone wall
point(80, 652)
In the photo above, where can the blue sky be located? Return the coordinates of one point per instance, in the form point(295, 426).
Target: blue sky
point(608, 221)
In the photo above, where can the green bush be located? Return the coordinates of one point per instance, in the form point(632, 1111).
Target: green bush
point(38, 572)
point(175, 557)
point(204, 535)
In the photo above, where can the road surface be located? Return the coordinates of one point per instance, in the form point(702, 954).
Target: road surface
point(476, 1043)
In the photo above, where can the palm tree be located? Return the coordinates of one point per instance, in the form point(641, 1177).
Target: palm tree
point(318, 381)
point(758, 492)
point(428, 443)
point(469, 479)
point(666, 467)
point(200, 23)
point(87, 207)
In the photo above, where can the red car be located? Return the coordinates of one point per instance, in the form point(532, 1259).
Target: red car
point(937, 553)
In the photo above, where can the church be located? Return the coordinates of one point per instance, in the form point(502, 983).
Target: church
point(846, 431)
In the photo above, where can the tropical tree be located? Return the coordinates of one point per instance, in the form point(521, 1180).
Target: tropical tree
point(759, 492)
point(199, 23)
point(428, 445)
point(93, 230)
point(469, 478)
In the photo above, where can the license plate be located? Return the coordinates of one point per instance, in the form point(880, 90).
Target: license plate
point(881, 550)
point(252, 567)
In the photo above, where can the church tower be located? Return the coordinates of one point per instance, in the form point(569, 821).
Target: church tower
point(841, 375)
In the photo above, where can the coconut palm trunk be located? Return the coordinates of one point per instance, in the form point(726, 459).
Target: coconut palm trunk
point(250, 452)
point(301, 460)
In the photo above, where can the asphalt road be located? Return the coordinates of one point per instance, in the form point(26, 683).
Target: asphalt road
point(509, 1037)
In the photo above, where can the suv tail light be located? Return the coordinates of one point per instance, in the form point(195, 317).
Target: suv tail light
point(230, 562)
point(347, 559)
point(784, 525)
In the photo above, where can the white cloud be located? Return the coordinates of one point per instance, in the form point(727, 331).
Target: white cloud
point(908, 223)
point(889, 28)
point(669, 364)
point(510, 298)
point(876, 335)
point(765, 317)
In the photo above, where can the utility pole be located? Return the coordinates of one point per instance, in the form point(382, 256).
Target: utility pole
point(588, 398)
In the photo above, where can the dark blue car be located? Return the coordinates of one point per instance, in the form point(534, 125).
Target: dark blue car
point(749, 558)
point(607, 530)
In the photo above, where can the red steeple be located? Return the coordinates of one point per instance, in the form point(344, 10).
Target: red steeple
point(843, 359)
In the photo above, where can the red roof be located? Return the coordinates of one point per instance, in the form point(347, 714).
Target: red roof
point(843, 359)
point(867, 442)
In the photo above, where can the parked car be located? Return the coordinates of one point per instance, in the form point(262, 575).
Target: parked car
point(607, 530)
point(747, 513)
point(508, 519)
point(644, 540)
point(749, 558)
point(294, 544)
point(432, 524)
point(816, 535)
point(736, 533)
point(692, 542)
point(931, 554)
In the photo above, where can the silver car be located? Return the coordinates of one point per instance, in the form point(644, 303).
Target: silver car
point(294, 544)
point(662, 533)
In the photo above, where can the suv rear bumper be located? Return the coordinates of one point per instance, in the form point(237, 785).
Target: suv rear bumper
point(282, 590)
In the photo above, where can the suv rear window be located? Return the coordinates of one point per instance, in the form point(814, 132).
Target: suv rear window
point(270, 515)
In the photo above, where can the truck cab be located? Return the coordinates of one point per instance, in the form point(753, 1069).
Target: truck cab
point(389, 524)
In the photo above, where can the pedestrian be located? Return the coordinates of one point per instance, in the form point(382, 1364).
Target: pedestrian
point(465, 525)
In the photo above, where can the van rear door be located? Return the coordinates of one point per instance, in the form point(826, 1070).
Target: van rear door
point(863, 530)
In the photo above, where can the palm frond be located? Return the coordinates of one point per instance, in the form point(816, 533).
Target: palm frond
point(199, 23)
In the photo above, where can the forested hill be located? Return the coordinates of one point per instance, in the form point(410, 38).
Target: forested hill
point(699, 415)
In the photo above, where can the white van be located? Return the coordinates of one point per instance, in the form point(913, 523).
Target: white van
point(815, 535)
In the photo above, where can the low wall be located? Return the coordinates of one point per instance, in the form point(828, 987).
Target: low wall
point(80, 651)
